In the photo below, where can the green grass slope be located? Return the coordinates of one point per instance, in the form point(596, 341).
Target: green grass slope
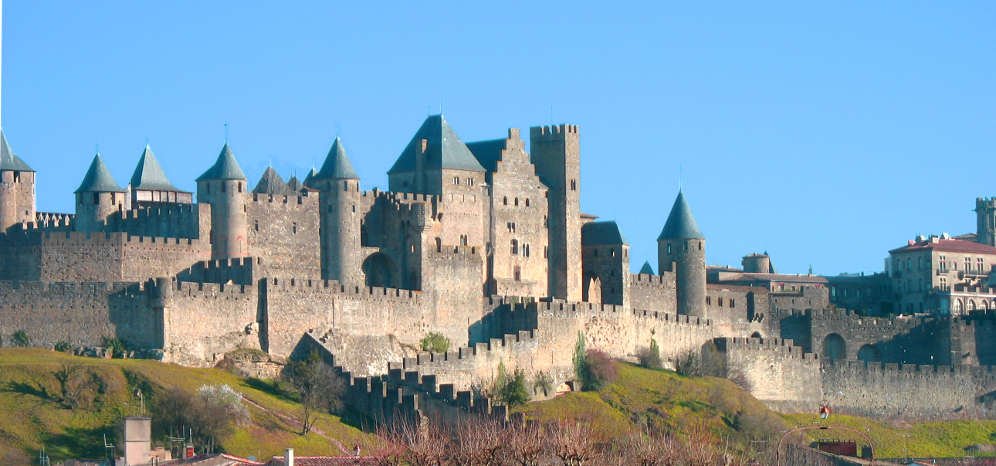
point(665, 400)
point(33, 418)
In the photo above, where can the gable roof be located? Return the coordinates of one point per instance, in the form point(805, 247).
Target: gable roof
point(271, 183)
point(337, 165)
point(647, 269)
point(98, 179)
point(225, 168)
point(487, 153)
point(600, 234)
point(444, 149)
point(680, 223)
point(9, 161)
point(946, 245)
point(149, 174)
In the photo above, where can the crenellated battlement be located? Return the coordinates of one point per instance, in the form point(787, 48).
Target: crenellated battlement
point(511, 342)
point(925, 371)
point(666, 279)
point(58, 288)
point(211, 290)
point(300, 201)
point(553, 131)
point(333, 287)
point(51, 220)
point(784, 347)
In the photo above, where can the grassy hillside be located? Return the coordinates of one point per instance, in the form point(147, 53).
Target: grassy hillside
point(667, 401)
point(33, 417)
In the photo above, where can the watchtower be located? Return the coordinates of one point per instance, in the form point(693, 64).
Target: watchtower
point(224, 187)
point(556, 153)
point(339, 199)
point(985, 214)
point(681, 249)
point(98, 197)
point(17, 188)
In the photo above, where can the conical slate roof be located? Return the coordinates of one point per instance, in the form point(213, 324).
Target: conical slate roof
point(9, 161)
point(293, 184)
point(309, 181)
point(336, 164)
point(444, 149)
point(149, 174)
point(225, 168)
point(680, 224)
point(271, 183)
point(647, 269)
point(601, 233)
point(98, 179)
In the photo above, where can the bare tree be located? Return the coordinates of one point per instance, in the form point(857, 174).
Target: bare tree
point(317, 386)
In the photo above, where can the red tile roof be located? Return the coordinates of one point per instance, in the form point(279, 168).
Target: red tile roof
point(947, 245)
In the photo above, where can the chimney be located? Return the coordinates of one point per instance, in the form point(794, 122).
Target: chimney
point(289, 457)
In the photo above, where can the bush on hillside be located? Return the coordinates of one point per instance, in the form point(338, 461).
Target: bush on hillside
point(20, 338)
point(318, 387)
point(209, 415)
point(63, 346)
point(114, 346)
point(436, 343)
point(599, 370)
point(543, 381)
point(650, 357)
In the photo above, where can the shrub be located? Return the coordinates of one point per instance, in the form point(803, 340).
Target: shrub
point(115, 346)
point(211, 414)
point(20, 338)
point(650, 357)
point(689, 364)
point(543, 381)
point(579, 359)
point(317, 386)
point(599, 370)
point(436, 343)
point(78, 388)
point(63, 346)
point(514, 392)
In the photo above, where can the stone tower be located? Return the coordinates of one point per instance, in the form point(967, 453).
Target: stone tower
point(985, 213)
point(555, 152)
point(17, 188)
point(339, 198)
point(681, 249)
point(98, 197)
point(224, 187)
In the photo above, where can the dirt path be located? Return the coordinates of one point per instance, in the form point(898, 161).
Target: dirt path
point(291, 420)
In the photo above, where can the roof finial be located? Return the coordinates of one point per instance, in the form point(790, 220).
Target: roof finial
point(226, 133)
point(681, 169)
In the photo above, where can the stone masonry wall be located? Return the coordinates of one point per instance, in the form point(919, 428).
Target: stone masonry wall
point(653, 292)
point(774, 370)
point(81, 314)
point(204, 321)
point(284, 230)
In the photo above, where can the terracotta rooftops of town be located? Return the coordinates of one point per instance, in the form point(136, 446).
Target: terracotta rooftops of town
point(946, 245)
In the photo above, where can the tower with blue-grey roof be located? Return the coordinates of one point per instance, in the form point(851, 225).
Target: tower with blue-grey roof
point(224, 187)
point(681, 250)
point(340, 217)
point(17, 188)
point(97, 197)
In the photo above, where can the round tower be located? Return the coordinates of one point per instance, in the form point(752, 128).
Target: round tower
point(756, 263)
point(223, 186)
point(98, 197)
point(17, 188)
point(681, 249)
point(339, 197)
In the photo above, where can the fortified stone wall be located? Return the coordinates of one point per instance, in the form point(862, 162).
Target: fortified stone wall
point(203, 321)
point(775, 371)
point(239, 271)
point(973, 339)
point(900, 339)
point(163, 219)
point(653, 292)
point(81, 314)
point(909, 391)
point(285, 231)
point(806, 297)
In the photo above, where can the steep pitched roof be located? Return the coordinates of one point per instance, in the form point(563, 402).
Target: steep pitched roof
point(487, 153)
point(293, 184)
point(149, 174)
point(98, 179)
point(600, 234)
point(9, 161)
point(271, 183)
point(444, 149)
point(336, 164)
point(225, 168)
point(680, 223)
point(309, 181)
point(647, 269)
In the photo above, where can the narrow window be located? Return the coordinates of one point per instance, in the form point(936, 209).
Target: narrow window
point(504, 200)
point(517, 202)
point(222, 186)
point(439, 244)
point(96, 198)
point(517, 273)
point(255, 225)
point(527, 202)
point(515, 247)
point(240, 186)
point(574, 185)
point(294, 228)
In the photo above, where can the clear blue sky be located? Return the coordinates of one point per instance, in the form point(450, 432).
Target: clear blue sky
point(824, 135)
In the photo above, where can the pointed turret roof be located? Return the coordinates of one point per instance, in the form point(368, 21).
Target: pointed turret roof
point(336, 164)
point(293, 184)
point(149, 174)
point(9, 161)
point(98, 179)
point(680, 223)
point(647, 269)
point(225, 168)
point(309, 181)
point(271, 183)
point(443, 151)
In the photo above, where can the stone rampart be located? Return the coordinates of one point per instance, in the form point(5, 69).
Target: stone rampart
point(203, 321)
point(656, 292)
point(285, 230)
point(774, 370)
point(81, 314)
